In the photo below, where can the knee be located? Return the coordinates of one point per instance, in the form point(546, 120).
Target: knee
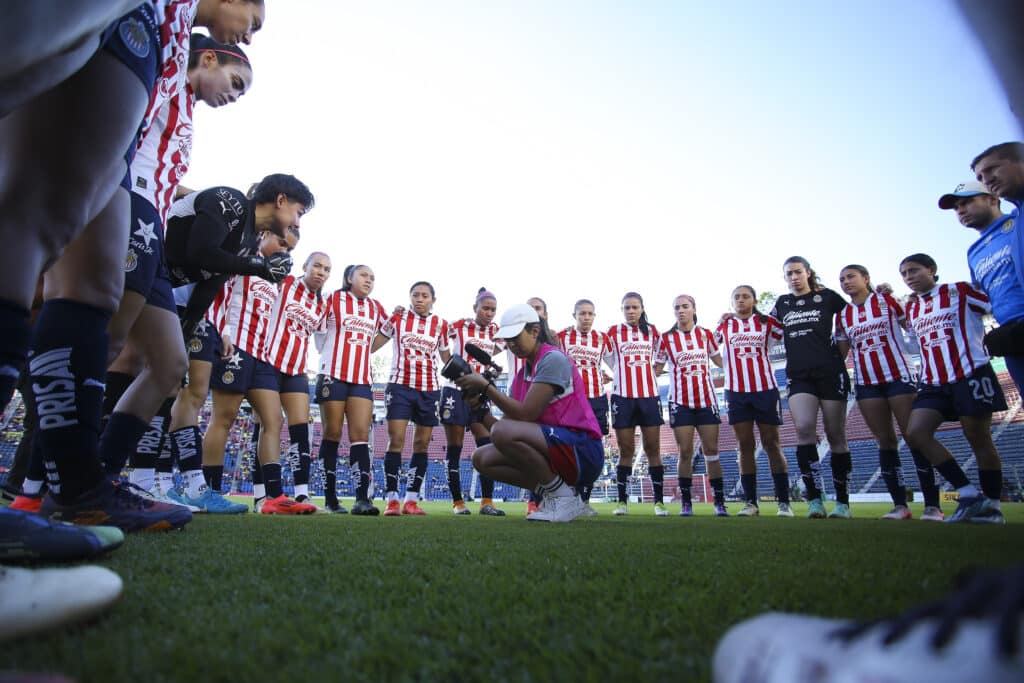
point(500, 434)
point(478, 460)
point(332, 433)
point(171, 370)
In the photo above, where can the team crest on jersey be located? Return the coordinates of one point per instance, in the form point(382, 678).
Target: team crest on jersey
point(133, 35)
point(195, 345)
point(131, 262)
point(1008, 225)
point(800, 302)
point(228, 377)
point(817, 298)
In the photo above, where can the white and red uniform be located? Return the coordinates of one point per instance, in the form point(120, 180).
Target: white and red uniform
point(689, 356)
point(632, 357)
point(744, 345)
point(249, 314)
point(297, 314)
point(874, 330)
point(587, 350)
point(466, 331)
point(947, 322)
point(176, 17)
point(418, 341)
point(164, 152)
point(349, 328)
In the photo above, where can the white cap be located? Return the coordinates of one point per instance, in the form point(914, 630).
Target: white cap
point(968, 189)
point(515, 318)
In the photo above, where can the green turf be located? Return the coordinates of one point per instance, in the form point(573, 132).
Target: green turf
point(325, 598)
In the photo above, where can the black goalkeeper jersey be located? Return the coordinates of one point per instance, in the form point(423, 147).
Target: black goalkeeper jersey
point(809, 323)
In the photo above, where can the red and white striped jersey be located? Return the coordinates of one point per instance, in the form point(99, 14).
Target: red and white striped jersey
point(218, 310)
point(164, 152)
point(632, 357)
point(349, 327)
point(874, 330)
point(176, 17)
point(250, 311)
point(587, 350)
point(689, 354)
point(297, 314)
point(418, 341)
point(514, 365)
point(466, 331)
point(947, 322)
point(744, 345)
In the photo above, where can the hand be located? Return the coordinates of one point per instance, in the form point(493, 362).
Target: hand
point(227, 348)
point(278, 265)
point(883, 288)
point(473, 383)
point(605, 378)
point(725, 316)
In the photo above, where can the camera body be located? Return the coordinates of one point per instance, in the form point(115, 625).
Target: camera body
point(457, 366)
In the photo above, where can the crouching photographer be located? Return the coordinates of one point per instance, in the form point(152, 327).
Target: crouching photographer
point(548, 439)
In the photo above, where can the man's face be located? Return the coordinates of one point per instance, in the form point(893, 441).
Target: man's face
point(975, 212)
point(1003, 177)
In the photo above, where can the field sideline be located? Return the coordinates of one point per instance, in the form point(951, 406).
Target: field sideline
point(324, 598)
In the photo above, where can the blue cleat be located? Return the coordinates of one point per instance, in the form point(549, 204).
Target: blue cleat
point(212, 502)
point(815, 509)
point(977, 509)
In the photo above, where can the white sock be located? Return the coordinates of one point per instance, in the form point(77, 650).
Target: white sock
point(259, 491)
point(558, 488)
point(302, 490)
point(968, 491)
point(143, 477)
point(195, 483)
point(166, 481)
point(31, 487)
point(392, 495)
point(410, 496)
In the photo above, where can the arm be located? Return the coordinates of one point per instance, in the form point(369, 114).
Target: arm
point(199, 302)
point(537, 398)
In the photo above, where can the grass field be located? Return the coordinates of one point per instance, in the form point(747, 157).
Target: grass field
point(342, 598)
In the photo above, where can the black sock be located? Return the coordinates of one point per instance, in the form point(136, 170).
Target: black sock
point(952, 473)
point(359, 454)
point(119, 440)
point(842, 465)
point(392, 464)
point(23, 454)
point(452, 455)
point(417, 471)
point(686, 489)
point(254, 442)
point(214, 476)
point(299, 435)
point(657, 473)
point(749, 484)
point(168, 456)
point(188, 444)
point(718, 487)
point(117, 384)
point(583, 491)
point(892, 475)
point(926, 478)
point(991, 483)
point(67, 367)
point(807, 459)
point(15, 333)
point(147, 450)
point(781, 481)
point(621, 478)
point(329, 461)
point(536, 497)
point(486, 483)
point(272, 480)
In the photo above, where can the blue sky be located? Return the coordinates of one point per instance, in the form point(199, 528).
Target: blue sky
point(585, 149)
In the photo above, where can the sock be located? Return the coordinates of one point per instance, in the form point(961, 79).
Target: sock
point(259, 491)
point(718, 487)
point(31, 487)
point(621, 477)
point(892, 475)
point(143, 477)
point(329, 461)
point(454, 480)
point(165, 461)
point(926, 477)
point(950, 470)
point(117, 384)
point(272, 479)
point(807, 459)
point(188, 445)
point(299, 435)
point(584, 491)
point(657, 473)
point(781, 481)
point(486, 483)
point(536, 498)
point(15, 332)
point(991, 483)
point(359, 454)
point(749, 484)
point(147, 450)
point(685, 489)
point(213, 475)
point(557, 488)
point(67, 367)
point(119, 440)
point(392, 464)
point(842, 465)
point(417, 471)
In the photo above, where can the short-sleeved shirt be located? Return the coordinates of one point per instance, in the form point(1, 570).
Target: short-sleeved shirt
point(809, 321)
point(554, 369)
point(991, 260)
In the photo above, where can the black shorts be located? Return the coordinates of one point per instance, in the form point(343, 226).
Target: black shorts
point(144, 269)
point(205, 344)
point(628, 413)
point(885, 389)
point(419, 407)
point(599, 404)
point(826, 385)
point(455, 411)
point(293, 384)
point(764, 407)
point(685, 416)
point(974, 396)
point(330, 389)
point(242, 373)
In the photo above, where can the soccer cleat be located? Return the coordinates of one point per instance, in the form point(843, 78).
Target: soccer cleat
point(990, 514)
point(27, 536)
point(969, 508)
point(785, 510)
point(27, 504)
point(721, 510)
point(35, 600)
point(283, 505)
point(411, 507)
point(257, 504)
point(749, 510)
point(841, 511)
point(172, 497)
point(112, 504)
point(531, 507)
point(303, 498)
point(558, 509)
point(932, 513)
point(686, 510)
point(588, 511)
point(815, 509)
point(334, 507)
point(620, 510)
point(660, 510)
point(212, 502)
point(899, 512)
point(394, 508)
point(491, 511)
point(459, 508)
point(7, 496)
point(365, 508)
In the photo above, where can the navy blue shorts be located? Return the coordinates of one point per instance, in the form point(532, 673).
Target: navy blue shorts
point(754, 406)
point(242, 373)
point(575, 456)
point(144, 269)
point(826, 385)
point(599, 405)
point(636, 412)
point(885, 389)
point(293, 384)
point(685, 416)
point(455, 411)
point(419, 407)
point(205, 344)
point(330, 389)
point(974, 396)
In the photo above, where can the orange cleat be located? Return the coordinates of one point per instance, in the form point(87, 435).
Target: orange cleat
point(27, 504)
point(531, 507)
point(411, 508)
point(393, 509)
point(283, 505)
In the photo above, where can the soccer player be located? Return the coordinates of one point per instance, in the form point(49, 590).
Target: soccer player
point(587, 348)
point(996, 259)
point(957, 383)
point(456, 414)
point(885, 384)
point(817, 381)
point(350, 332)
point(548, 438)
point(420, 338)
point(689, 350)
point(635, 399)
point(752, 394)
